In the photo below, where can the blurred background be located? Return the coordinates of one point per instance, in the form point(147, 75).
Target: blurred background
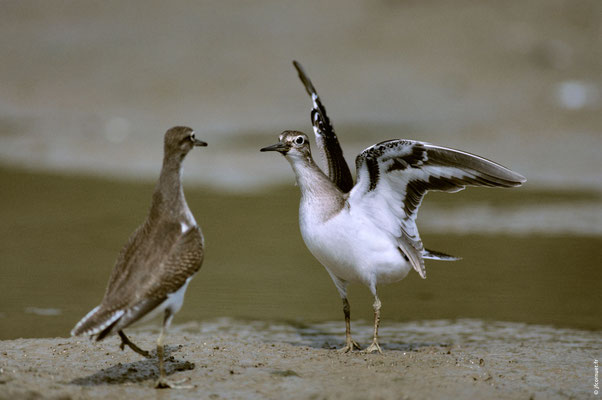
point(88, 88)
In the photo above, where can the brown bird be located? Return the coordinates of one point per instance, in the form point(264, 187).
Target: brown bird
point(160, 258)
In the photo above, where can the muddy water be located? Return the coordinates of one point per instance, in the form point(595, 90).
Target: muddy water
point(60, 235)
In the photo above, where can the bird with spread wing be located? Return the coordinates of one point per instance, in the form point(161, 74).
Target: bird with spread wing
point(367, 232)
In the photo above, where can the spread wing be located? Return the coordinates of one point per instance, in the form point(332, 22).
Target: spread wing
point(394, 176)
point(328, 144)
point(146, 272)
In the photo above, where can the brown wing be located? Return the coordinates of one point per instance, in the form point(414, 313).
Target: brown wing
point(183, 261)
point(152, 265)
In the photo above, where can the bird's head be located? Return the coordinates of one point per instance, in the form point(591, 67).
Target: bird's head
point(179, 140)
point(291, 144)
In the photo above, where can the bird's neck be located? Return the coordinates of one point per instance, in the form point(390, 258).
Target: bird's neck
point(168, 199)
point(315, 186)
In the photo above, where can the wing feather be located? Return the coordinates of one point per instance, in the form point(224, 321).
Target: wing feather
point(394, 176)
point(132, 291)
point(328, 143)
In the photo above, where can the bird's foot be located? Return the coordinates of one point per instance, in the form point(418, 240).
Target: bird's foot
point(137, 349)
point(126, 342)
point(373, 347)
point(350, 346)
point(163, 383)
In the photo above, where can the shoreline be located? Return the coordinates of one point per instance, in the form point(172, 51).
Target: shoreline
point(229, 358)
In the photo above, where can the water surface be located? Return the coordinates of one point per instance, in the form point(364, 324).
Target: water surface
point(60, 236)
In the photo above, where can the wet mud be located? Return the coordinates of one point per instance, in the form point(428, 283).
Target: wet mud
point(232, 359)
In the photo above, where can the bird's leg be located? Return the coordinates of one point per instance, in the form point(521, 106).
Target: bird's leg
point(375, 346)
point(126, 342)
point(162, 382)
point(350, 343)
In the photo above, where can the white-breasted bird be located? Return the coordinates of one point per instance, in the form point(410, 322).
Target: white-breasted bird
point(367, 232)
point(160, 258)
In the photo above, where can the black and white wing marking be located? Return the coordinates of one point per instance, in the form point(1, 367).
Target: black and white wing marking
point(394, 176)
point(328, 144)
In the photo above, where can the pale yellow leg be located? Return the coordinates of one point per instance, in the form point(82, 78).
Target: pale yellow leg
point(375, 346)
point(162, 382)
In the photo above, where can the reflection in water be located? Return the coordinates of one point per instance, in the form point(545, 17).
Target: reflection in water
point(60, 236)
point(49, 312)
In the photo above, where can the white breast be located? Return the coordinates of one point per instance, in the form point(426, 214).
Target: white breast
point(188, 222)
point(185, 226)
point(352, 248)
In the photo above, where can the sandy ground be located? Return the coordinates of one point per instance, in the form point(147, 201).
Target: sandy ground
point(249, 359)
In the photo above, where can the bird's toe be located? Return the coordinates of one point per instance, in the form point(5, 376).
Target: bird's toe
point(163, 383)
point(374, 347)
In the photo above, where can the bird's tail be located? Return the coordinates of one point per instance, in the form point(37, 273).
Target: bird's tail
point(437, 255)
point(95, 322)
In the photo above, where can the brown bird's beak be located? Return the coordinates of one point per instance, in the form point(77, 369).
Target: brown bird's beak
point(199, 143)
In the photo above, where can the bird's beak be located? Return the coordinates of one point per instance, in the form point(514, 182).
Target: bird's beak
point(199, 143)
point(280, 147)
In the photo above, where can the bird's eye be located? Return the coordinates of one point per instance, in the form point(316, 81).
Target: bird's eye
point(299, 140)
point(192, 136)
